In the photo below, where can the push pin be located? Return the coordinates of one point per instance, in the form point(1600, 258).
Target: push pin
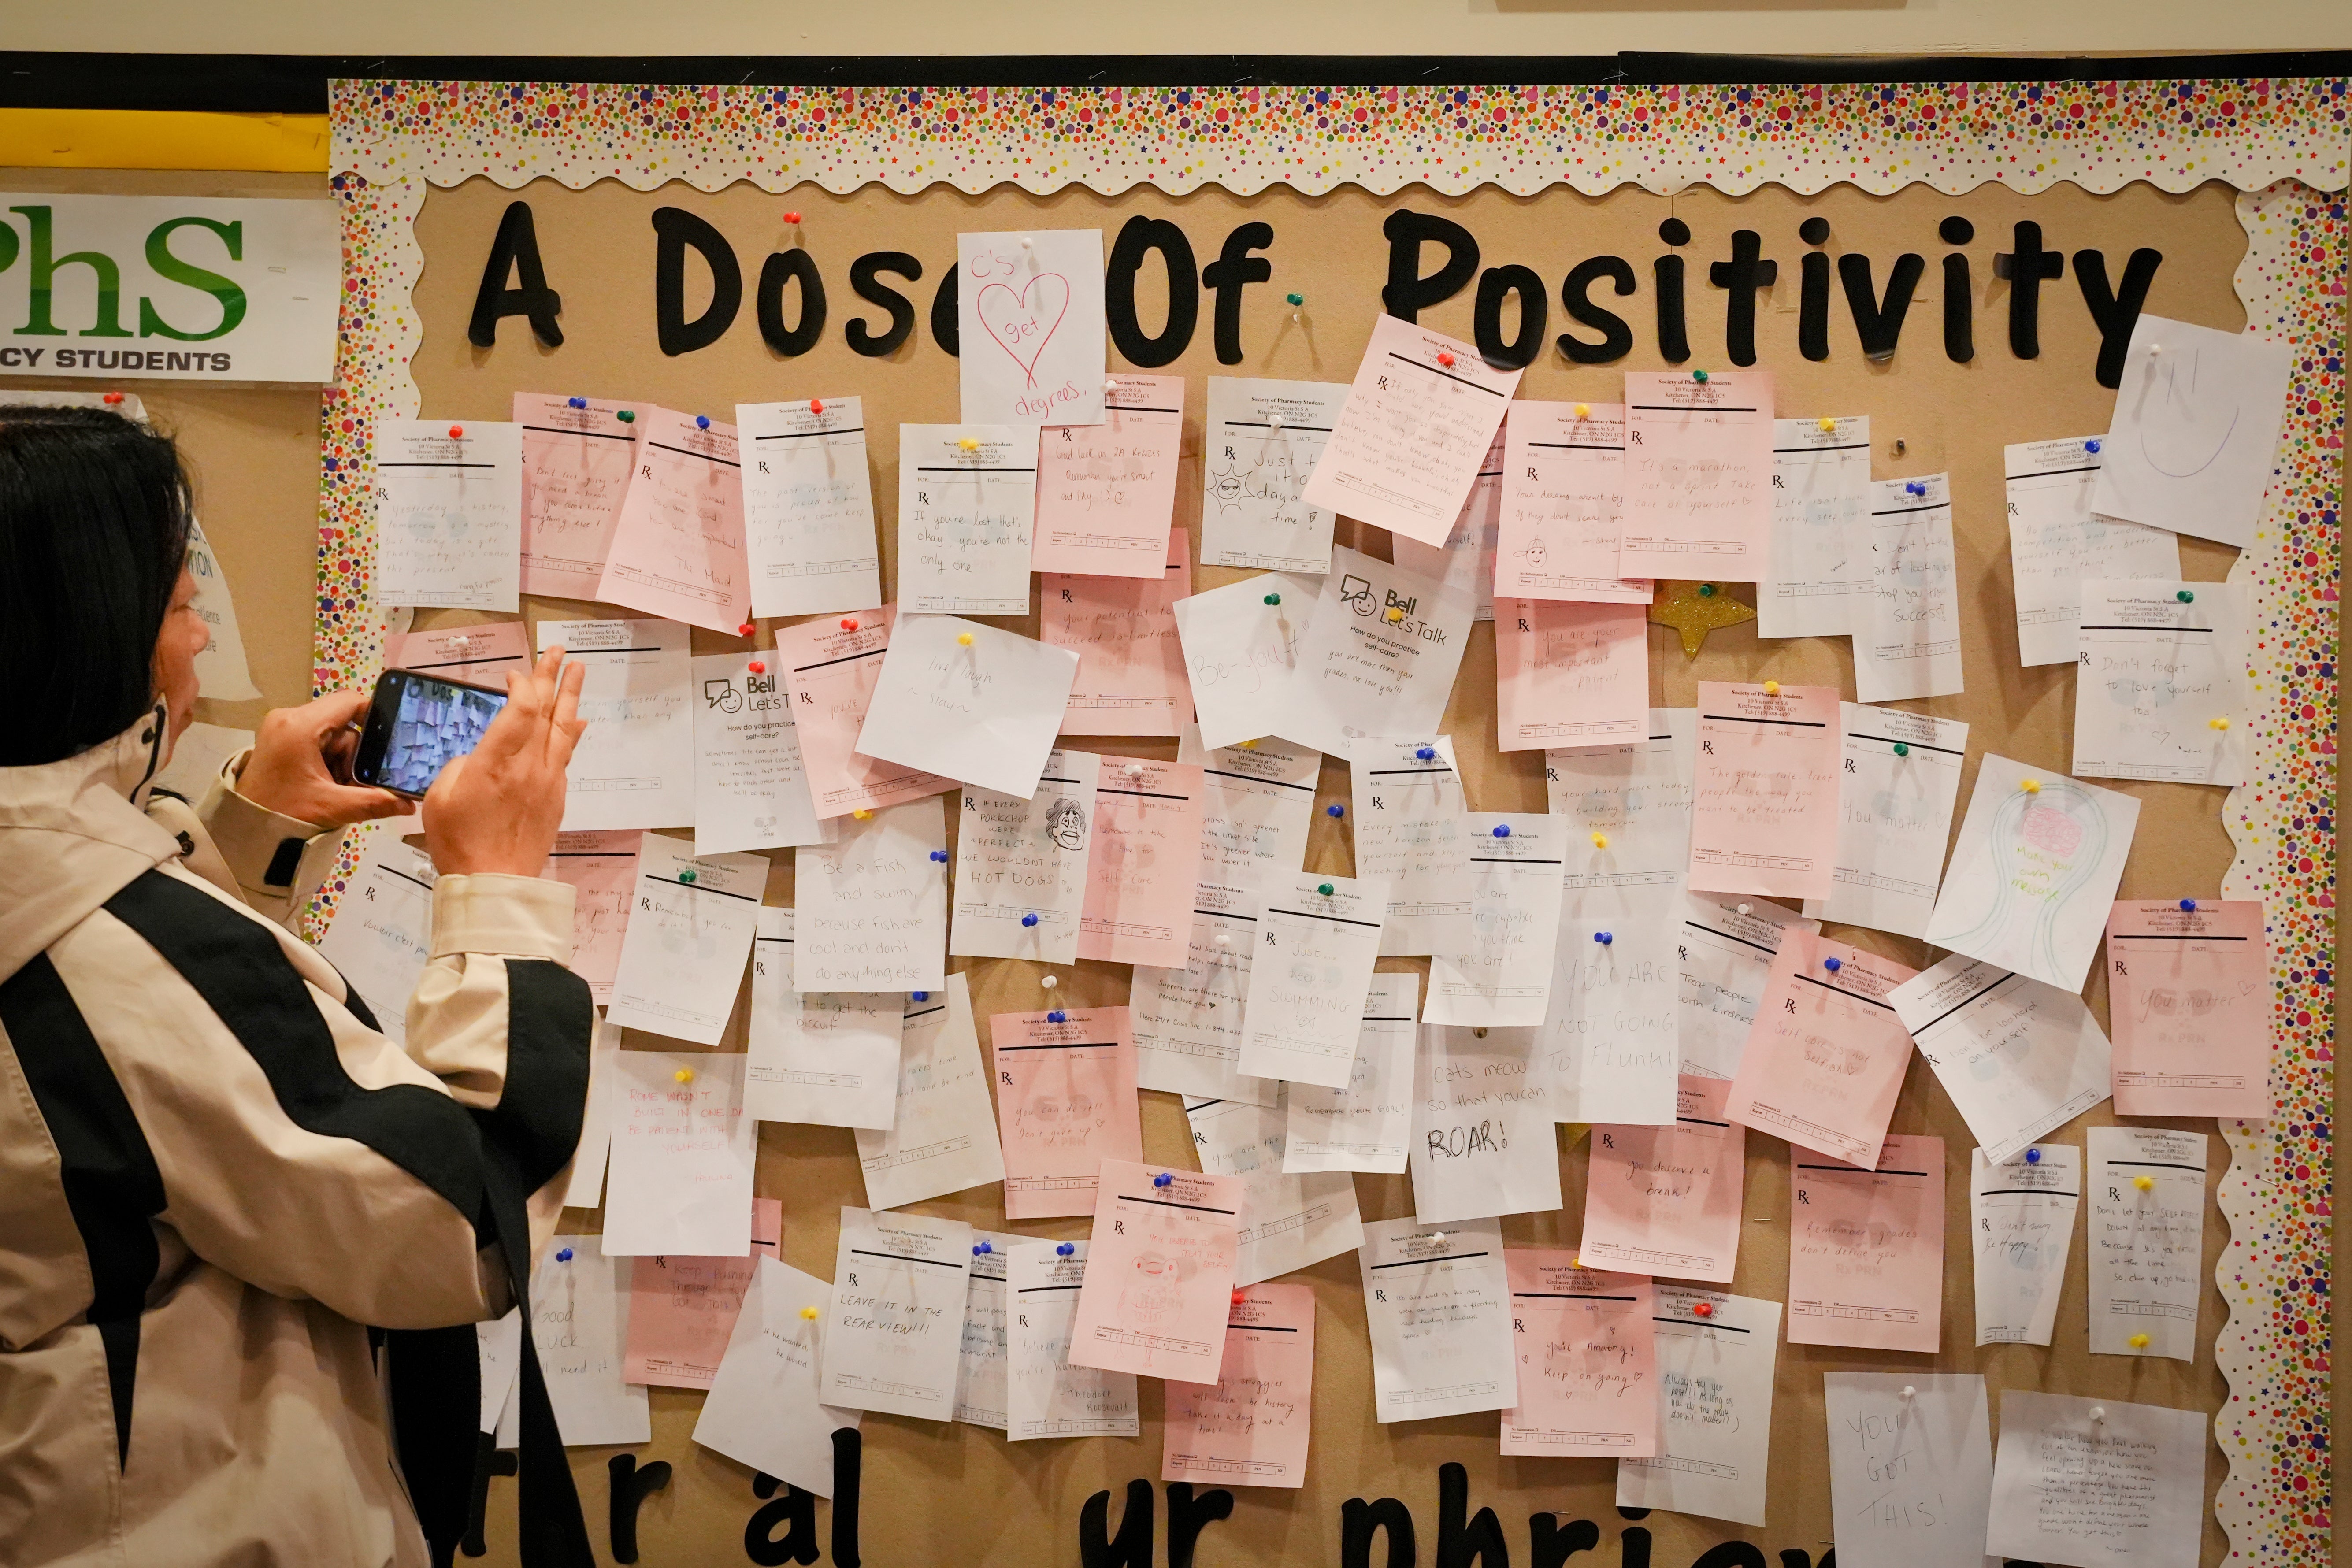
point(1706, 590)
point(1502, 830)
point(1249, 746)
point(2144, 1183)
point(808, 1314)
point(1600, 841)
point(1135, 770)
point(816, 406)
point(1057, 1016)
point(626, 415)
point(1065, 1250)
point(1771, 688)
point(1438, 1237)
point(1274, 598)
point(1240, 1295)
point(983, 1249)
point(757, 667)
point(1223, 940)
point(938, 856)
point(702, 421)
point(687, 876)
point(1901, 748)
point(2185, 596)
point(1396, 613)
point(1910, 1393)
point(1833, 964)
point(1699, 376)
point(1273, 421)
point(1604, 938)
point(2137, 1341)
point(1827, 425)
point(918, 996)
point(1028, 243)
point(1163, 1179)
point(577, 402)
point(1742, 909)
point(849, 622)
point(2098, 1413)
point(1030, 919)
point(2091, 446)
point(1425, 753)
point(2033, 1156)
point(1915, 487)
point(1326, 888)
point(113, 398)
point(969, 444)
point(1049, 980)
point(793, 218)
point(683, 1075)
point(2031, 786)
point(1110, 384)
point(2218, 722)
point(1446, 359)
point(456, 432)
point(1294, 299)
point(1702, 1308)
point(964, 639)
point(861, 815)
point(2154, 350)
point(563, 1254)
point(1334, 811)
point(747, 628)
point(1584, 411)
point(2187, 905)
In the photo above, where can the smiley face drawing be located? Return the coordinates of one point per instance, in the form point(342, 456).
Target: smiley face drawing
point(1226, 486)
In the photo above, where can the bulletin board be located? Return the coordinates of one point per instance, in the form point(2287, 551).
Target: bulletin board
point(2238, 183)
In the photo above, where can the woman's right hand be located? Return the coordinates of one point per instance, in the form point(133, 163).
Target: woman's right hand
point(498, 808)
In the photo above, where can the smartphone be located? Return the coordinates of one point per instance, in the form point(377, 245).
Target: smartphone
point(416, 725)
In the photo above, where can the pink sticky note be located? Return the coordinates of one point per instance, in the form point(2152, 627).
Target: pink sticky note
point(1665, 1200)
point(682, 1310)
point(1570, 673)
point(1106, 492)
point(1698, 475)
point(481, 655)
point(1764, 797)
point(1249, 1428)
point(2188, 996)
point(1563, 512)
point(1866, 1248)
point(832, 663)
point(576, 464)
point(1066, 1101)
point(678, 549)
point(1588, 1359)
point(1139, 874)
point(1827, 1052)
point(1131, 678)
point(603, 871)
point(1159, 1273)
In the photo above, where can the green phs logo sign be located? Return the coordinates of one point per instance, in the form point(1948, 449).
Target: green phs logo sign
point(168, 289)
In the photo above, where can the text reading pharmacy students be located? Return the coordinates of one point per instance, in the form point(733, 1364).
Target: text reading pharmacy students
point(217, 1178)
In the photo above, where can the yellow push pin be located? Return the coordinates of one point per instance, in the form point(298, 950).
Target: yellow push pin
point(1396, 613)
point(2145, 1184)
point(964, 639)
point(1584, 411)
point(1771, 688)
point(1249, 746)
point(809, 1313)
point(1600, 841)
point(1828, 426)
point(970, 444)
point(861, 814)
point(684, 1074)
point(2218, 722)
point(2031, 786)
point(2137, 1341)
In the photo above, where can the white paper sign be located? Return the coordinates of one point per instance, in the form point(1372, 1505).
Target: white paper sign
point(967, 514)
point(221, 669)
point(691, 922)
point(808, 506)
point(2146, 1247)
point(2161, 691)
point(633, 767)
point(2056, 542)
point(827, 1059)
point(2033, 878)
point(2018, 1057)
point(579, 1321)
point(1818, 569)
point(1317, 938)
point(1029, 317)
point(1895, 793)
point(2097, 1484)
point(1438, 1305)
point(682, 1155)
point(449, 514)
point(968, 701)
point(1612, 1039)
point(1262, 440)
point(1241, 649)
point(762, 1409)
point(1484, 1142)
point(1378, 658)
point(1910, 1468)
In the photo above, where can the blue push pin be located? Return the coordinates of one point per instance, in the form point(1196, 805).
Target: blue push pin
point(1334, 811)
point(563, 1254)
point(702, 421)
point(1066, 1248)
point(1502, 830)
point(577, 401)
point(940, 857)
point(2033, 1156)
point(921, 996)
point(1163, 1179)
point(1426, 755)
point(2187, 905)
point(1914, 488)
point(1833, 964)
point(1604, 938)
point(1057, 1016)
point(2092, 446)
point(1030, 919)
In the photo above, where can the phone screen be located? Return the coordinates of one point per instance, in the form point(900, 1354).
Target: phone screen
point(416, 725)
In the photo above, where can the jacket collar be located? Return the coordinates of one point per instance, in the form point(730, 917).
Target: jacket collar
point(73, 833)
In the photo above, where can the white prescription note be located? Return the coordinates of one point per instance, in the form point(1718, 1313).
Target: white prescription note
point(1261, 442)
point(943, 1138)
point(1818, 569)
point(2161, 691)
point(682, 1155)
point(449, 514)
point(981, 1371)
point(633, 767)
point(961, 700)
point(750, 787)
point(1413, 833)
point(1714, 1393)
point(1289, 1220)
point(2056, 542)
point(382, 936)
point(2021, 1215)
point(1465, 561)
point(762, 1409)
point(2147, 1240)
point(1438, 1305)
point(1379, 657)
point(1906, 630)
point(1318, 938)
point(1563, 505)
point(1698, 475)
point(1502, 976)
point(579, 1317)
point(2018, 1057)
point(897, 1334)
point(1611, 1041)
point(825, 1058)
point(1895, 793)
point(1188, 1021)
point(1366, 1125)
point(808, 506)
point(1256, 806)
point(1724, 951)
point(691, 922)
point(967, 509)
point(1628, 808)
point(1020, 865)
point(874, 906)
point(1046, 1396)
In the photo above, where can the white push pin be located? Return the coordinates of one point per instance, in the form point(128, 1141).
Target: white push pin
point(1437, 1236)
point(1743, 908)
point(461, 642)
point(1909, 1394)
point(1110, 384)
point(1028, 243)
point(1224, 940)
point(1049, 980)
point(1273, 421)
point(1135, 770)
point(2154, 350)
point(2098, 1414)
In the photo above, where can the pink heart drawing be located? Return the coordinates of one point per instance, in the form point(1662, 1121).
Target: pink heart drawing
point(1020, 324)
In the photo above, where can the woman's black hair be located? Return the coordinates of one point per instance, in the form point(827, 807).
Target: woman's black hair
point(94, 529)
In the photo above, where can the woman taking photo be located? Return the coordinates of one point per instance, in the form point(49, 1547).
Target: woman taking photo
point(242, 1232)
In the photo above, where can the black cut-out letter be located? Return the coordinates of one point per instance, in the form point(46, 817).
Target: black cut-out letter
point(782, 268)
point(1741, 276)
point(1358, 1519)
point(676, 229)
point(1408, 293)
point(1462, 1543)
point(1487, 321)
point(1139, 238)
point(2025, 269)
point(1551, 1544)
point(1879, 324)
point(1233, 269)
point(797, 1510)
point(1634, 1546)
point(1674, 336)
point(849, 1470)
point(2116, 312)
point(866, 283)
point(1730, 1555)
point(1575, 292)
point(1813, 305)
point(1798, 1557)
point(947, 327)
point(632, 1483)
point(1187, 1518)
point(1132, 1546)
point(1960, 311)
point(515, 250)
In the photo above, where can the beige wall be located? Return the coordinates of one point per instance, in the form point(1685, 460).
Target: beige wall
point(940, 27)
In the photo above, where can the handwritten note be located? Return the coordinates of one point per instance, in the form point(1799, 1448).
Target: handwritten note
point(966, 700)
point(2016, 1057)
point(1502, 976)
point(1611, 1038)
point(1318, 938)
point(1047, 1395)
point(1257, 804)
point(1107, 491)
point(1162, 1273)
point(808, 506)
point(874, 905)
point(1020, 865)
point(1723, 950)
point(1065, 1103)
point(381, 935)
point(682, 1152)
point(1715, 1397)
point(2161, 680)
point(1698, 475)
point(1896, 794)
point(1826, 1055)
point(1366, 1125)
point(1910, 1468)
point(1570, 673)
point(1130, 679)
point(2034, 871)
point(1483, 1141)
point(1563, 506)
point(1866, 1248)
point(1906, 630)
point(826, 1058)
point(682, 1310)
point(1241, 651)
point(1465, 560)
point(1188, 1020)
point(763, 1410)
point(750, 787)
point(1250, 1427)
point(1140, 871)
point(967, 503)
point(2021, 1213)
point(2147, 1231)
point(2189, 990)
point(576, 463)
point(834, 666)
point(1764, 800)
point(691, 922)
point(633, 767)
point(2196, 427)
point(1665, 1200)
point(1262, 442)
point(677, 548)
point(449, 514)
point(1438, 1305)
point(2056, 542)
point(943, 1137)
point(1378, 658)
point(1412, 836)
point(1029, 314)
point(1818, 570)
point(980, 1388)
point(579, 1314)
point(1289, 1219)
point(602, 868)
point(2128, 1487)
point(1628, 806)
point(1587, 1360)
point(895, 1336)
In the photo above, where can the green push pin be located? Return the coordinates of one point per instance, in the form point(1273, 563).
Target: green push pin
point(1326, 889)
point(1294, 299)
point(626, 415)
point(1902, 749)
point(1706, 590)
point(2185, 596)
point(687, 875)
point(1274, 598)
point(1699, 376)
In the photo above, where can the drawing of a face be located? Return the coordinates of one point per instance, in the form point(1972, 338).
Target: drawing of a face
point(1227, 489)
point(1533, 554)
point(1357, 593)
point(1066, 825)
point(2180, 435)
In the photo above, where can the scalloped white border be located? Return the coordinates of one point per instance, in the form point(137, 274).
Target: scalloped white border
point(400, 169)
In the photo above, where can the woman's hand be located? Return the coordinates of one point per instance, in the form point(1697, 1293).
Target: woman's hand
point(288, 772)
point(498, 808)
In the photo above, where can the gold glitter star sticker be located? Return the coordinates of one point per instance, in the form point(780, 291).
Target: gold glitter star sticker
point(1695, 609)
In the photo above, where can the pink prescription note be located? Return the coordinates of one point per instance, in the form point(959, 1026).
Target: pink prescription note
point(1866, 1248)
point(1250, 1427)
point(1145, 854)
point(1588, 1359)
point(1159, 1273)
point(1827, 1052)
point(483, 655)
point(682, 1310)
point(576, 464)
point(603, 871)
point(1106, 492)
point(1420, 415)
point(1570, 673)
point(1563, 512)
point(678, 549)
point(1131, 678)
point(1764, 795)
point(834, 663)
point(1066, 1101)
point(1665, 1200)
point(2188, 996)
point(1698, 475)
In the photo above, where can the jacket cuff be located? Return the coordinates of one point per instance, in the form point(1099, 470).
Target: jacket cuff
point(249, 837)
point(516, 917)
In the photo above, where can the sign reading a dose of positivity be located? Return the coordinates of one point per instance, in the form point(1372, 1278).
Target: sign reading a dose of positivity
point(168, 288)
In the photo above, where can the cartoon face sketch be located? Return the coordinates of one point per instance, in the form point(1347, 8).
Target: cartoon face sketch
point(722, 694)
point(1066, 826)
point(1357, 593)
point(1227, 489)
point(1533, 554)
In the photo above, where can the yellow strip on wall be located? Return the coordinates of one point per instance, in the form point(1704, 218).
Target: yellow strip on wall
point(160, 138)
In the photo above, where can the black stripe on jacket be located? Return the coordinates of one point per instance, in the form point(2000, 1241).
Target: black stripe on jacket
point(110, 1182)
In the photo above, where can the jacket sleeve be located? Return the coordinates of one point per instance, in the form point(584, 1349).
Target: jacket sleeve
point(276, 861)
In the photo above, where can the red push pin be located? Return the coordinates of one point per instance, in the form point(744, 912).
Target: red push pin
point(112, 398)
point(757, 667)
point(816, 406)
point(746, 629)
point(1702, 1308)
point(1240, 1295)
point(792, 218)
point(849, 622)
point(456, 432)
point(1446, 359)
